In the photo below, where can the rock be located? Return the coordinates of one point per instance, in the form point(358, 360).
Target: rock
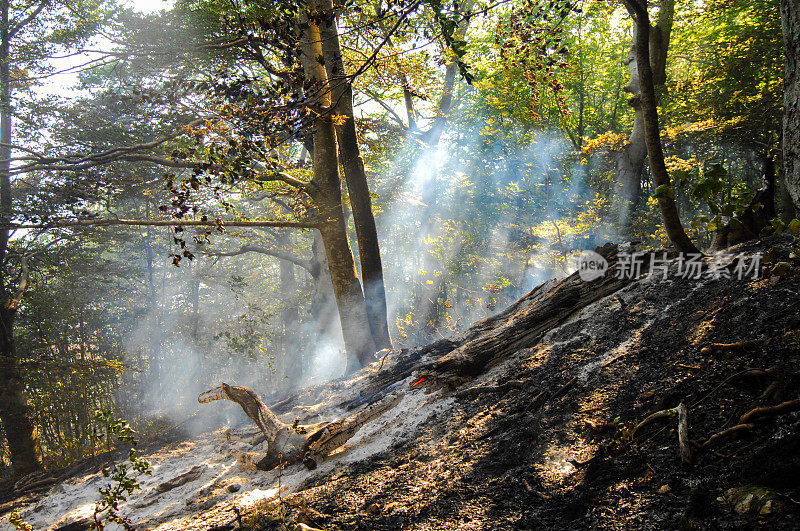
point(234, 487)
point(766, 508)
point(751, 500)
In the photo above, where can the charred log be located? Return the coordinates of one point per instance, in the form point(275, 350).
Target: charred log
point(288, 444)
point(524, 323)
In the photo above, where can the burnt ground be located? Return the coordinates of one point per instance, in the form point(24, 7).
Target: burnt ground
point(544, 439)
point(506, 459)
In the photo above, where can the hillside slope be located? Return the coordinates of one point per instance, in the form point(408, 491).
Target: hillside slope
point(540, 438)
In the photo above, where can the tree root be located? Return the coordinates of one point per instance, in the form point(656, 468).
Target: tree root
point(683, 428)
point(743, 374)
point(732, 347)
point(564, 388)
point(769, 411)
point(747, 422)
point(735, 431)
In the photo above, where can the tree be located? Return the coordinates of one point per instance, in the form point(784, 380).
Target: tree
point(647, 78)
point(790, 16)
point(29, 33)
point(353, 165)
point(630, 160)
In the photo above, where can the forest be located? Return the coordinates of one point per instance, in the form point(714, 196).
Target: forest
point(399, 264)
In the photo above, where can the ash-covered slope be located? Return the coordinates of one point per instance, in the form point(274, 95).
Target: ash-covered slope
point(547, 444)
point(525, 421)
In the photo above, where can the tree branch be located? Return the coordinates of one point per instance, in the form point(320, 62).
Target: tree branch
point(305, 264)
point(164, 223)
point(388, 109)
point(80, 162)
point(25, 21)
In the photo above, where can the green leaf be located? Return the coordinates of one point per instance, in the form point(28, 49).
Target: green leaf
point(794, 227)
point(664, 191)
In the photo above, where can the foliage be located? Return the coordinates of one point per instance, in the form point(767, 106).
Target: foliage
point(112, 430)
point(15, 519)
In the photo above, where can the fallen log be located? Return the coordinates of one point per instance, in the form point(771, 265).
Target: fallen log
point(525, 322)
point(287, 444)
point(456, 359)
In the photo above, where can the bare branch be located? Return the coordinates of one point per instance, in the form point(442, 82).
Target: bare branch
point(374, 97)
point(84, 161)
point(305, 264)
point(25, 21)
point(164, 223)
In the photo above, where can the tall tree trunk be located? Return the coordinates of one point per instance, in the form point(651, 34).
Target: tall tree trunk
point(666, 200)
point(154, 332)
point(630, 160)
point(292, 362)
point(289, 288)
point(790, 16)
point(323, 300)
point(325, 189)
point(14, 411)
point(356, 178)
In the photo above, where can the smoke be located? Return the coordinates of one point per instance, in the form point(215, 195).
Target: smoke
point(212, 321)
point(469, 225)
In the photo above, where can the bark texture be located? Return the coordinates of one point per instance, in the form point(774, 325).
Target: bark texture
point(325, 190)
point(666, 201)
point(630, 160)
point(525, 322)
point(14, 411)
point(790, 17)
point(350, 155)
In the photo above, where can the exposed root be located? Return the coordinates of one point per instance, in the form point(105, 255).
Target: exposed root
point(769, 411)
point(722, 436)
point(564, 388)
point(770, 390)
point(663, 414)
point(683, 428)
point(742, 374)
point(732, 347)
